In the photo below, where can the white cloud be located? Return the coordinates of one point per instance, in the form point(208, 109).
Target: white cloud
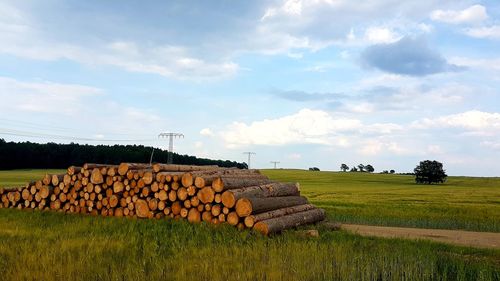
point(473, 14)
point(206, 132)
point(47, 97)
point(27, 39)
point(379, 35)
point(474, 120)
point(487, 64)
point(294, 156)
point(304, 127)
point(317, 24)
point(377, 146)
point(434, 149)
point(491, 32)
point(491, 144)
point(198, 144)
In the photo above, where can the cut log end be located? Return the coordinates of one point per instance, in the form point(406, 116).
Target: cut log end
point(142, 208)
point(244, 207)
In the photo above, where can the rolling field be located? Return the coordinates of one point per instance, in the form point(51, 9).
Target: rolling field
point(52, 246)
point(395, 200)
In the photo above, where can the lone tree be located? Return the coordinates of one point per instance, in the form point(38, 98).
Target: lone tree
point(344, 167)
point(430, 172)
point(369, 168)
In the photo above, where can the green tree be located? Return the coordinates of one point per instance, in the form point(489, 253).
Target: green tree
point(344, 167)
point(369, 168)
point(392, 171)
point(429, 172)
point(361, 167)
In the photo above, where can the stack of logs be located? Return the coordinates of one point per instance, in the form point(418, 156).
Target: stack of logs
point(242, 198)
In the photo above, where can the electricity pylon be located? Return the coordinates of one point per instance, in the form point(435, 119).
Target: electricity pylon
point(171, 137)
point(249, 155)
point(275, 162)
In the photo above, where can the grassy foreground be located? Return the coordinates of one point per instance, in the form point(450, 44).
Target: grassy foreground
point(52, 246)
point(38, 245)
point(395, 200)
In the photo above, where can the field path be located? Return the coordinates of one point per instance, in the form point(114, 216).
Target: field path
point(457, 237)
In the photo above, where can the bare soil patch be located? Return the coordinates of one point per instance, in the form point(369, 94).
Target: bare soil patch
point(458, 237)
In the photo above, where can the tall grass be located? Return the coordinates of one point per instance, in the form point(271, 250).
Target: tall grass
point(49, 246)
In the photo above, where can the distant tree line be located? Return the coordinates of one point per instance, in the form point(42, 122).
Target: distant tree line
point(28, 155)
point(360, 168)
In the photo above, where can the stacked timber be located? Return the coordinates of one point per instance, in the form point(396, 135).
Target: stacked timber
point(242, 198)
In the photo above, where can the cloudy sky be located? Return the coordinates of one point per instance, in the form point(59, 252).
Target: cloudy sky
point(306, 83)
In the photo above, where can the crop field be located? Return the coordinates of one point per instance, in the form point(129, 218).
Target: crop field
point(461, 203)
point(52, 246)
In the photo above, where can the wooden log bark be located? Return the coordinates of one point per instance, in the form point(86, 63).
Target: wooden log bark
point(91, 166)
point(279, 224)
point(159, 167)
point(204, 178)
point(276, 189)
point(253, 219)
point(73, 170)
point(247, 206)
point(123, 168)
point(231, 182)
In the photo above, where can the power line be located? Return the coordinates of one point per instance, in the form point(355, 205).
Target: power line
point(5, 122)
point(63, 137)
point(249, 155)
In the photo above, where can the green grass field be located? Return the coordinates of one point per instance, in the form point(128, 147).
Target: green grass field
point(52, 246)
point(461, 203)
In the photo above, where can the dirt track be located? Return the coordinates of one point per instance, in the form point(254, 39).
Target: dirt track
point(457, 237)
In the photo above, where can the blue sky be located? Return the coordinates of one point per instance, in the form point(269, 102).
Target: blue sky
point(306, 83)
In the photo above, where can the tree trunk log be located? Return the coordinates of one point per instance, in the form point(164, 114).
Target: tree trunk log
point(158, 167)
point(194, 216)
point(73, 170)
point(56, 179)
point(206, 195)
point(232, 218)
point(279, 224)
point(96, 176)
point(276, 189)
point(232, 182)
point(253, 219)
point(123, 168)
point(142, 208)
point(248, 206)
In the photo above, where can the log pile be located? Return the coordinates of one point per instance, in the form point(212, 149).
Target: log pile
point(242, 198)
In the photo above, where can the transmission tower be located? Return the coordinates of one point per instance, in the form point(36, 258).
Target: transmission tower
point(275, 162)
point(171, 137)
point(249, 155)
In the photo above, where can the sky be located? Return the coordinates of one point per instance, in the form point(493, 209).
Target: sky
point(306, 83)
